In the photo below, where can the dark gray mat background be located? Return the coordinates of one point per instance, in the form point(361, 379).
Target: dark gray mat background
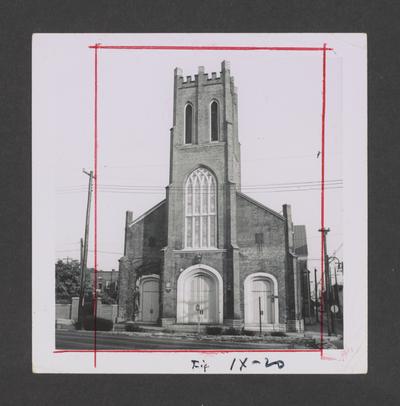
point(379, 19)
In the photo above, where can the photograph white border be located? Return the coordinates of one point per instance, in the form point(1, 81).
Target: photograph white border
point(352, 359)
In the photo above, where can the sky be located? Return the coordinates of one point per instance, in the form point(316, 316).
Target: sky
point(280, 104)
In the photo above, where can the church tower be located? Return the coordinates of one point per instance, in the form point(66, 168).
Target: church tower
point(204, 181)
point(204, 136)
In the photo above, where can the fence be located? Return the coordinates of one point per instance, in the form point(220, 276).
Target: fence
point(70, 311)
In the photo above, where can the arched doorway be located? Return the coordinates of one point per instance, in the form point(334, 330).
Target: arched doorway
point(199, 296)
point(261, 300)
point(149, 298)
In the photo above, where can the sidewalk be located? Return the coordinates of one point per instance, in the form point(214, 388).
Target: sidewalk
point(316, 328)
point(333, 341)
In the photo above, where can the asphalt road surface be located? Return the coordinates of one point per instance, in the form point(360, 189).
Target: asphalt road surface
point(84, 340)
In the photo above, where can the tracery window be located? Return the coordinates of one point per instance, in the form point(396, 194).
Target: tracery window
point(200, 210)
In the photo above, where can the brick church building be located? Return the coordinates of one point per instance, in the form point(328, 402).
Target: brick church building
point(208, 253)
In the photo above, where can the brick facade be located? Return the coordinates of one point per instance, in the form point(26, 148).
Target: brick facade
point(250, 239)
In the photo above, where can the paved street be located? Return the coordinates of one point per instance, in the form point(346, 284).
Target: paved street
point(73, 340)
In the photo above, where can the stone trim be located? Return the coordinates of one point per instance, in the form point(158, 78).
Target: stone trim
point(247, 283)
point(194, 250)
point(181, 293)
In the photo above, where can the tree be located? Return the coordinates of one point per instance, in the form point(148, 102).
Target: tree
point(67, 280)
point(110, 294)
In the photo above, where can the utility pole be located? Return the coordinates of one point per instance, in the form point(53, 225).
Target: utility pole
point(81, 286)
point(308, 294)
point(327, 284)
point(84, 255)
point(316, 294)
point(335, 294)
point(260, 313)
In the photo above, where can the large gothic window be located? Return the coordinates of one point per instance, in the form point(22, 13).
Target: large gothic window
point(188, 124)
point(214, 124)
point(201, 210)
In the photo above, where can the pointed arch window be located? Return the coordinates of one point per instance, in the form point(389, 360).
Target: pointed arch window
point(200, 210)
point(188, 124)
point(214, 120)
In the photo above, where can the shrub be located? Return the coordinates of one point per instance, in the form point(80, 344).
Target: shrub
point(87, 310)
point(168, 330)
point(213, 330)
point(133, 328)
point(232, 332)
point(249, 333)
point(278, 334)
point(101, 324)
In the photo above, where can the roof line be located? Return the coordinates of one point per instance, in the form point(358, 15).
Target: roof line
point(145, 214)
point(261, 206)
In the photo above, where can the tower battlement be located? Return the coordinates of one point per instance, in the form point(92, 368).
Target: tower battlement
point(204, 78)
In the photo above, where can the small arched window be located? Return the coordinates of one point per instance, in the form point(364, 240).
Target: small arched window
point(214, 116)
point(200, 210)
point(188, 124)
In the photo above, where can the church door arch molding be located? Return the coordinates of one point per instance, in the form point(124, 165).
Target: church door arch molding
point(200, 288)
point(261, 290)
point(149, 298)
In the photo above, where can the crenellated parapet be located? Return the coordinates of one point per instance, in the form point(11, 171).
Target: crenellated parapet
point(204, 78)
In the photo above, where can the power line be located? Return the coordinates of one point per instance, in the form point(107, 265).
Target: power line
point(338, 248)
point(102, 252)
point(157, 187)
point(162, 192)
point(267, 188)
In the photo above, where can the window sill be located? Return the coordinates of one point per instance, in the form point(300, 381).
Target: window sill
point(204, 144)
point(188, 250)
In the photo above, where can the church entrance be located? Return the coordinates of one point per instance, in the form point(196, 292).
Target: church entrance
point(199, 296)
point(261, 301)
point(201, 299)
point(149, 298)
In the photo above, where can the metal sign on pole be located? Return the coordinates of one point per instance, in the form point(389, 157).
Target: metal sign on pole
point(334, 309)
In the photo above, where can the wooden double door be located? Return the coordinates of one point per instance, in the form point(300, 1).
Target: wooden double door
point(150, 300)
point(261, 302)
point(201, 299)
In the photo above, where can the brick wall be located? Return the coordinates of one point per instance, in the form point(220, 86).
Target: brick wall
point(144, 239)
point(177, 261)
point(270, 256)
point(146, 236)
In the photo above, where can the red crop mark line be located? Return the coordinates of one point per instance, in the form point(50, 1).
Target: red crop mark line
point(98, 46)
point(207, 48)
point(191, 351)
point(323, 198)
point(95, 200)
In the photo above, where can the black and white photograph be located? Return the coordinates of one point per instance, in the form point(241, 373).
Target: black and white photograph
point(196, 199)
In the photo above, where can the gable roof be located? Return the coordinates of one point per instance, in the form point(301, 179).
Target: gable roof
point(261, 206)
point(300, 241)
point(148, 212)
